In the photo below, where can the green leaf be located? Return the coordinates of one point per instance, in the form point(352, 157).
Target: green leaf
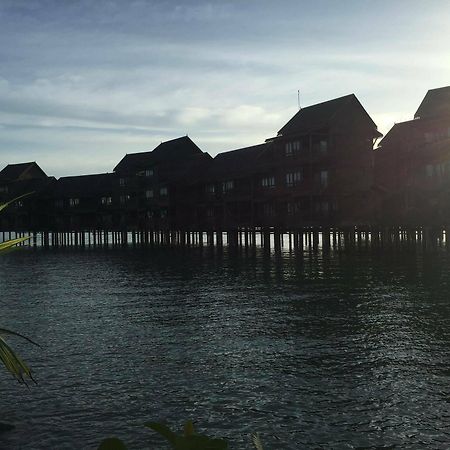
point(11, 360)
point(4, 331)
point(5, 205)
point(112, 444)
point(12, 242)
point(257, 441)
point(189, 441)
point(188, 428)
point(13, 363)
point(163, 430)
point(199, 442)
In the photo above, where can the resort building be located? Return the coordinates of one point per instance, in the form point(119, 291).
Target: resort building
point(413, 166)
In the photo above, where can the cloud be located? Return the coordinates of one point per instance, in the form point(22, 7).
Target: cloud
point(98, 79)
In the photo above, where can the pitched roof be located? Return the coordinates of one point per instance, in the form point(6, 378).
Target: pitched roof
point(319, 116)
point(175, 149)
point(190, 171)
point(413, 131)
point(435, 103)
point(30, 185)
point(236, 163)
point(399, 132)
point(85, 185)
point(16, 171)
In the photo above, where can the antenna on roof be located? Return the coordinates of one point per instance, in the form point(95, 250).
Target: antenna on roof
point(298, 99)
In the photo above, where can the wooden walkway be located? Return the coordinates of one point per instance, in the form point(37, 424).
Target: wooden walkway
point(300, 239)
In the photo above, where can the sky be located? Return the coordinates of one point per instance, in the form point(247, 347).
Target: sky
point(82, 83)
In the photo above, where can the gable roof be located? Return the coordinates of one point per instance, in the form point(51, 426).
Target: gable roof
point(30, 185)
point(175, 149)
point(399, 132)
point(321, 115)
point(85, 185)
point(22, 171)
point(413, 131)
point(435, 103)
point(236, 163)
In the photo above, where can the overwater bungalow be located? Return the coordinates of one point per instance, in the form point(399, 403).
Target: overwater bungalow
point(412, 167)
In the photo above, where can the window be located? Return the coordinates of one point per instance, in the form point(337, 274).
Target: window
point(323, 146)
point(293, 178)
point(59, 203)
point(439, 170)
point(149, 193)
point(19, 204)
point(227, 186)
point(210, 212)
point(288, 148)
point(122, 182)
point(74, 202)
point(268, 182)
point(268, 210)
point(3, 189)
point(148, 172)
point(124, 199)
point(324, 178)
point(433, 136)
point(436, 170)
point(106, 200)
point(322, 207)
point(294, 208)
point(292, 147)
point(163, 213)
point(210, 189)
point(163, 192)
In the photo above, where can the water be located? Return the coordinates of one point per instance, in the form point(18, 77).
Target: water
point(346, 350)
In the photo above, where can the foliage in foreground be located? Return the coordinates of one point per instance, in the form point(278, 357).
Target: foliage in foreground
point(20, 371)
point(189, 440)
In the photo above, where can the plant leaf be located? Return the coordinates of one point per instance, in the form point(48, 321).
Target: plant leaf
point(5, 205)
point(200, 442)
point(257, 441)
point(163, 430)
point(13, 363)
point(4, 331)
point(188, 428)
point(112, 444)
point(12, 242)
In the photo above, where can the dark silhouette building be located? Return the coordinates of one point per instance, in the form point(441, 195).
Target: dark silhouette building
point(317, 172)
point(413, 166)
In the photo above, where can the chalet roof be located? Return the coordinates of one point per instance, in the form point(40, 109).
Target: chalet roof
point(320, 116)
point(236, 163)
point(175, 149)
point(30, 185)
point(435, 103)
point(190, 171)
point(414, 131)
point(85, 185)
point(22, 170)
point(399, 132)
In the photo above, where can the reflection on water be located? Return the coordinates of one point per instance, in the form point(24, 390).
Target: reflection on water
point(345, 350)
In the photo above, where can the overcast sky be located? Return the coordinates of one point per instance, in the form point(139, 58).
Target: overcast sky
point(84, 82)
